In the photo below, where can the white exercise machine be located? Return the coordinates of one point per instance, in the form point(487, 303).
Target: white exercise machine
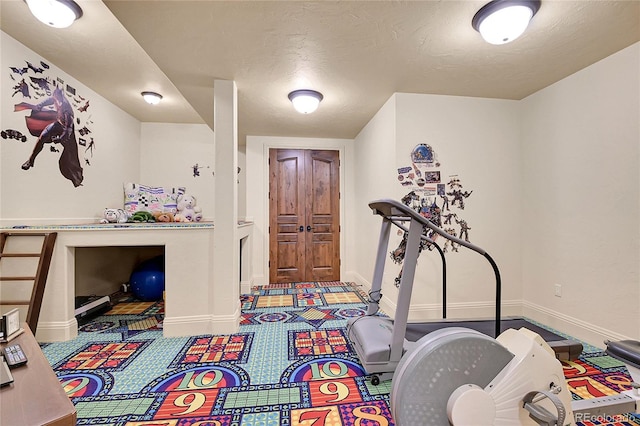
point(460, 376)
point(380, 342)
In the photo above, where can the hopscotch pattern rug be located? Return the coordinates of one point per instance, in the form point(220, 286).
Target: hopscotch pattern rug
point(291, 363)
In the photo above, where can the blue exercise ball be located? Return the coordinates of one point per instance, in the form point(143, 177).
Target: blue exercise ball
point(147, 280)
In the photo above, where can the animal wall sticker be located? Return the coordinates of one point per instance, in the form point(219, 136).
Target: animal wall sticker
point(54, 110)
point(195, 169)
point(423, 178)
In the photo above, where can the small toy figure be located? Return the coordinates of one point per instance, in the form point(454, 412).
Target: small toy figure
point(454, 182)
point(114, 216)
point(445, 202)
point(459, 196)
point(187, 209)
point(164, 217)
point(142, 217)
point(464, 229)
point(408, 199)
point(448, 243)
point(426, 208)
point(448, 217)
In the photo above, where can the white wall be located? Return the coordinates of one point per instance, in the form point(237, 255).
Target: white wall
point(581, 199)
point(125, 150)
point(169, 153)
point(242, 183)
point(475, 139)
point(556, 198)
point(42, 194)
point(257, 195)
point(374, 165)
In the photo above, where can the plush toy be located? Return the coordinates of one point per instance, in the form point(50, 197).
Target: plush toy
point(141, 216)
point(114, 216)
point(164, 217)
point(187, 209)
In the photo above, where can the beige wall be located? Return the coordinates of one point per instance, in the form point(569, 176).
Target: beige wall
point(374, 165)
point(156, 154)
point(580, 169)
point(42, 193)
point(556, 198)
point(168, 153)
point(475, 139)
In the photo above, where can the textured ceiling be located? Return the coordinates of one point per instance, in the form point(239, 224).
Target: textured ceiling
point(357, 53)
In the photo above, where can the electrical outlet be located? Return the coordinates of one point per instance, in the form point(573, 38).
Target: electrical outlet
point(558, 290)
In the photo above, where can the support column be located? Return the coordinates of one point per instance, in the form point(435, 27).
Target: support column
point(225, 294)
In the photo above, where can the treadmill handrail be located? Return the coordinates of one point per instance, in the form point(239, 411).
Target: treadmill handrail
point(395, 221)
point(394, 211)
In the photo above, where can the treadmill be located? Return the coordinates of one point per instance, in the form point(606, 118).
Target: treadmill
point(380, 342)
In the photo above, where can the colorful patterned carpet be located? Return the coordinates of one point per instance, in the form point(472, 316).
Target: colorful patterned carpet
point(290, 364)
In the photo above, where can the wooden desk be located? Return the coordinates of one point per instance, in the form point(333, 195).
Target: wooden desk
point(36, 396)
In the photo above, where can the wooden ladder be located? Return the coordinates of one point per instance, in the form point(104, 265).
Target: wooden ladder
point(38, 280)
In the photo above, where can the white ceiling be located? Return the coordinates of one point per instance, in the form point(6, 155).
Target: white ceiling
point(357, 53)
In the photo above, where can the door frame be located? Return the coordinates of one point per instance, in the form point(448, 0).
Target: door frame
point(274, 142)
point(306, 242)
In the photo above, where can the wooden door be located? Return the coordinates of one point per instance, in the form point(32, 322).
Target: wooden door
point(304, 215)
point(287, 216)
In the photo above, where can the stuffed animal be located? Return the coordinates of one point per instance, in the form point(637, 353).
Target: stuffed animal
point(141, 216)
point(164, 217)
point(187, 209)
point(114, 216)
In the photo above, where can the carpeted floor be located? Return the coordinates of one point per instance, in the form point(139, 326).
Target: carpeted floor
point(290, 364)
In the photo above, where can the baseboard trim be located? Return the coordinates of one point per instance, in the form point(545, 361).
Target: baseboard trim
point(61, 331)
point(57, 331)
point(245, 286)
point(433, 311)
point(258, 280)
point(227, 324)
point(186, 326)
point(582, 330)
point(202, 324)
point(358, 279)
point(387, 305)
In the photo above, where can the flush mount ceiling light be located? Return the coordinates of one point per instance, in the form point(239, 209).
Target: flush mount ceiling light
point(305, 101)
point(55, 13)
point(152, 98)
point(502, 21)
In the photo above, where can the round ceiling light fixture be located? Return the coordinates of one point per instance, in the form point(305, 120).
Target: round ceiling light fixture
point(55, 13)
point(152, 98)
point(305, 101)
point(502, 21)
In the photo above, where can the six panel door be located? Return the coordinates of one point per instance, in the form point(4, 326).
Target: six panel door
point(304, 215)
